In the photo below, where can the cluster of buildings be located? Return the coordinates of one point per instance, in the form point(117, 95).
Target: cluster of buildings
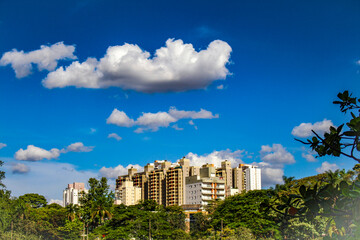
point(181, 184)
point(177, 184)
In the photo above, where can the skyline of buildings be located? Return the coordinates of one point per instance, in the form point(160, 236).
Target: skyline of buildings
point(181, 184)
point(177, 183)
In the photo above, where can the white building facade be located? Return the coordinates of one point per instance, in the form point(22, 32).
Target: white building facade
point(203, 190)
point(252, 178)
point(73, 193)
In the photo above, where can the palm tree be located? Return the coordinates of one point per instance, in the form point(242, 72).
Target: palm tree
point(99, 214)
point(72, 211)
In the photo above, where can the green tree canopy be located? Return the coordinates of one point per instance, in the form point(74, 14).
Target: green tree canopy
point(243, 210)
point(34, 200)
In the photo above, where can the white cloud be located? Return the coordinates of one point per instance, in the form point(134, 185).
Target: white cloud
point(119, 170)
point(309, 157)
point(177, 128)
point(191, 122)
point(202, 114)
point(173, 68)
point(78, 147)
point(272, 168)
point(20, 168)
point(46, 58)
point(2, 145)
point(216, 157)
point(57, 201)
point(220, 87)
point(114, 135)
point(46, 178)
point(92, 130)
point(358, 62)
point(32, 153)
point(276, 155)
point(304, 129)
point(120, 119)
point(326, 166)
point(153, 121)
point(270, 175)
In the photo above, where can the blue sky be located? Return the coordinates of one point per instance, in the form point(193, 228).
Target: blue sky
point(258, 69)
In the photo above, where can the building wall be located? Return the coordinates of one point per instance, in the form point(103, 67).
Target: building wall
point(156, 186)
point(185, 166)
point(140, 180)
point(174, 186)
point(193, 193)
point(127, 194)
point(73, 193)
point(253, 178)
point(238, 179)
point(203, 190)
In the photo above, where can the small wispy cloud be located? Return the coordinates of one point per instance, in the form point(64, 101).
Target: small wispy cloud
point(20, 168)
point(220, 87)
point(115, 136)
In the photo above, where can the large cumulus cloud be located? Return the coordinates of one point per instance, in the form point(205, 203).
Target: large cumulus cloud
point(175, 67)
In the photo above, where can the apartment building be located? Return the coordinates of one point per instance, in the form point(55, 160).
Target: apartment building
point(246, 177)
point(174, 186)
point(157, 186)
point(252, 180)
point(185, 166)
point(204, 188)
point(226, 173)
point(73, 193)
point(127, 193)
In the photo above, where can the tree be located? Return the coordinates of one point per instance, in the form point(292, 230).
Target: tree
point(338, 199)
point(243, 210)
point(2, 176)
point(34, 200)
point(72, 212)
point(199, 225)
point(337, 142)
point(97, 203)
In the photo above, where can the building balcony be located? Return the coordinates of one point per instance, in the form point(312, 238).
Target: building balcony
point(207, 192)
point(206, 198)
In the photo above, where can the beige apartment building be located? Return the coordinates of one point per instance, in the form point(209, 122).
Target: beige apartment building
point(226, 173)
point(156, 186)
point(174, 186)
point(127, 194)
